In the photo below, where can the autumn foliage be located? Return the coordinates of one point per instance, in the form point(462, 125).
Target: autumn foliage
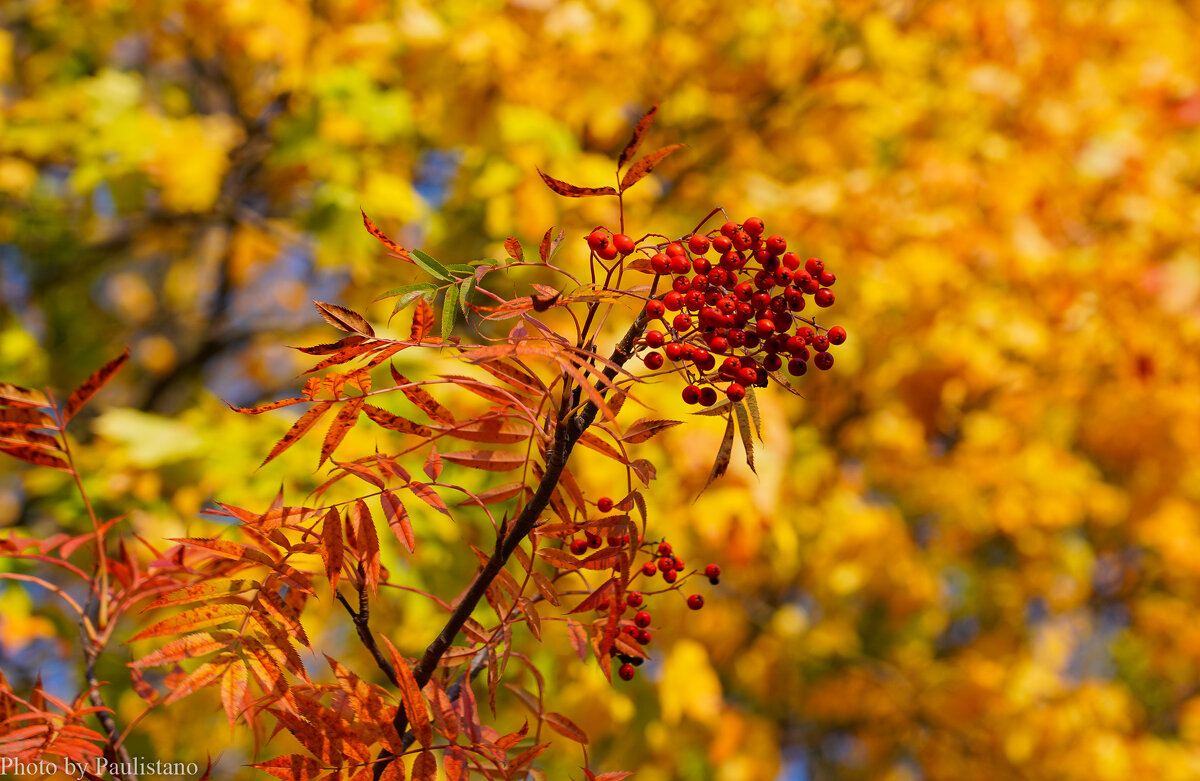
point(228, 612)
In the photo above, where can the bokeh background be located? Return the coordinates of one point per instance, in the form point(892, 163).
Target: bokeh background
point(972, 550)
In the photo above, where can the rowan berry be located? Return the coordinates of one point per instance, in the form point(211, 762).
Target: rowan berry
point(824, 297)
point(814, 266)
point(701, 266)
point(719, 344)
point(712, 571)
point(836, 335)
point(655, 309)
point(673, 300)
point(729, 229)
point(670, 575)
point(675, 249)
point(827, 278)
point(742, 241)
point(823, 361)
point(665, 549)
point(754, 226)
point(797, 367)
point(674, 351)
point(643, 637)
point(678, 563)
point(679, 264)
point(654, 338)
point(627, 671)
point(708, 396)
point(722, 244)
point(578, 547)
point(776, 245)
point(764, 327)
point(680, 285)
point(772, 362)
point(633, 599)
point(623, 243)
point(681, 322)
point(653, 360)
point(691, 394)
point(597, 240)
point(604, 504)
point(593, 540)
point(648, 569)
point(735, 392)
point(642, 619)
point(666, 563)
point(820, 343)
point(607, 252)
point(790, 260)
point(698, 243)
point(695, 601)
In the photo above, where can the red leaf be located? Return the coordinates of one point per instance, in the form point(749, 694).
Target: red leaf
point(369, 537)
point(410, 695)
point(26, 416)
point(639, 131)
point(196, 618)
point(340, 426)
point(377, 233)
point(397, 518)
point(596, 597)
point(558, 559)
point(269, 406)
point(578, 638)
point(395, 422)
point(293, 767)
point(422, 322)
point(427, 495)
point(565, 727)
point(494, 460)
point(571, 191)
point(454, 763)
point(617, 775)
point(493, 495)
point(92, 384)
point(188, 647)
point(419, 396)
point(298, 429)
point(425, 768)
point(513, 248)
point(643, 429)
point(331, 546)
point(199, 678)
point(328, 349)
point(433, 463)
point(142, 686)
point(644, 166)
point(35, 455)
point(234, 685)
point(343, 318)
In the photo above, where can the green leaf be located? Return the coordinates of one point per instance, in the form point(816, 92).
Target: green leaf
point(465, 289)
point(429, 264)
point(411, 296)
point(449, 310)
point(399, 291)
point(461, 268)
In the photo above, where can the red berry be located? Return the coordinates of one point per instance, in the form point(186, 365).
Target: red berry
point(626, 672)
point(666, 563)
point(698, 243)
point(735, 392)
point(823, 361)
point(708, 396)
point(643, 637)
point(593, 540)
point(680, 264)
point(712, 571)
point(673, 301)
point(681, 284)
point(604, 504)
point(578, 547)
point(814, 266)
point(742, 241)
point(764, 327)
point(791, 260)
point(682, 322)
point(597, 240)
point(607, 252)
point(820, 343)
point(653, 361)
point(776, 245)
point(695, 601)
point(633, 599)
point(648, 569)
point(797, 367)
point(623, 243)
point(836, 335)
point(670, 575)
point(722, 244)
point(654, 338)
point(824, 297)
point(719, 344)
point(675, 248)
point(701, 265)
point(691, 394)
point(728, 229)
point(660, 263)
point(665, 549)
point(827, 278)
point(642, 619)
point(655, 309)
point(754, 226)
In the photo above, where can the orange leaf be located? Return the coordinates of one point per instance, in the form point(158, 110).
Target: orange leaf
point(419, 396)
point(425, 768)
point(196, 618)
point(558, 559)
point(639, 131)
point(269, 406)
point(493, 430)
point(494, 460)
point(397, 518)
point(377, 233)
point(343, 318)
point(35, 455)
point(422, 322)
point(565, 727)
point(187, 647)
point(596, 597)
point(617, 775)
point(203, 592)
point(298, 429)
point(370, 542)
point(340, 426)
point(228, 550)
point(395, 422)
point(571, 191)
point(644, 166)
point(410, 695)
point(433, 463)
point(234, 684)
point(493, 495)
point(430, 497)
point(588, 439)
point(92, 384)
point(578, 638)
point(142, 686)
point(546, 588)
point(292, 767)
point(513, 248)
point(331, 546)
point(15, 394)
point(454, 764)
point(642, 429)
point(199, 678)
point(26, 416)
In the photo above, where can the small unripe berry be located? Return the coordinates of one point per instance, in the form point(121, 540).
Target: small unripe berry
point(604, 504)
point(627, 671)
point(695, 601)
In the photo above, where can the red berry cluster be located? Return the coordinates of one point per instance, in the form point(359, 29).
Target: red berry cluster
point(743, 305)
